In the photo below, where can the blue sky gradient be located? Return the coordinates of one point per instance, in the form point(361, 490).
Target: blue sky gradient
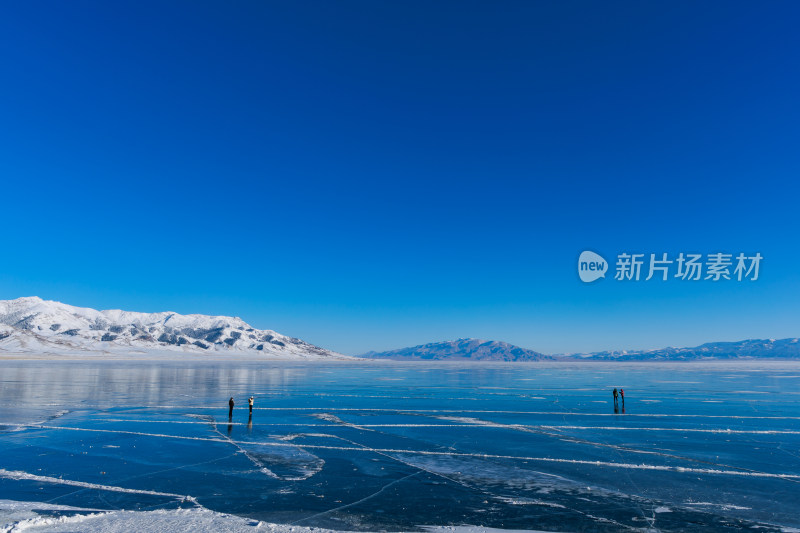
point(372, 175)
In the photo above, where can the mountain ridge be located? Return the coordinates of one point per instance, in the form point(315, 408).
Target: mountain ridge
point(748, 349)
point(460, 350)
point(33, 325)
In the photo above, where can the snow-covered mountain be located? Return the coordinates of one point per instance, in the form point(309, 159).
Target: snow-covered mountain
point(461, 350)
point(33, 325)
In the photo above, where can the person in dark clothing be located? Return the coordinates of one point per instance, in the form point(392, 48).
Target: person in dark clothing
point(230, 408)
point(250, 401)
point(615, 395)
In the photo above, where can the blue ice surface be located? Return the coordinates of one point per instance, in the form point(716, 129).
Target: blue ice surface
point(391, 446)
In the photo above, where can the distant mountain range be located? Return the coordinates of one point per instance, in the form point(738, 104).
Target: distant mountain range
point(461, 350)
point(746, 349)
point(33, 325)
point(480, 350)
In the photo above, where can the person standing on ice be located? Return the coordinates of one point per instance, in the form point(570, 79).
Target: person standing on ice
point(622, 395)
point(230, 408)
point(250, 402)
point(615, 395)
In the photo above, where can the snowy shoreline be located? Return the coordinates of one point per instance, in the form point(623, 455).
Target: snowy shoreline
point(170, 356)
point(166, 356)
point(24, 517)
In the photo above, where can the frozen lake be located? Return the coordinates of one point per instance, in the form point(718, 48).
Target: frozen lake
point(374, 446)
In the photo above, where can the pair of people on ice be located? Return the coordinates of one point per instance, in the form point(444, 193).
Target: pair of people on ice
point(231, 404)
point(621, 394)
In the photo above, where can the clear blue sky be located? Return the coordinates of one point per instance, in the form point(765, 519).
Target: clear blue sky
point(372, 175)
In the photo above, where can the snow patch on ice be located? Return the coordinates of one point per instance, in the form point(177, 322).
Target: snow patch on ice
point(197, 520)
point(723, 506)
point(12, 511)
point(530, 501)
point(476, 529)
